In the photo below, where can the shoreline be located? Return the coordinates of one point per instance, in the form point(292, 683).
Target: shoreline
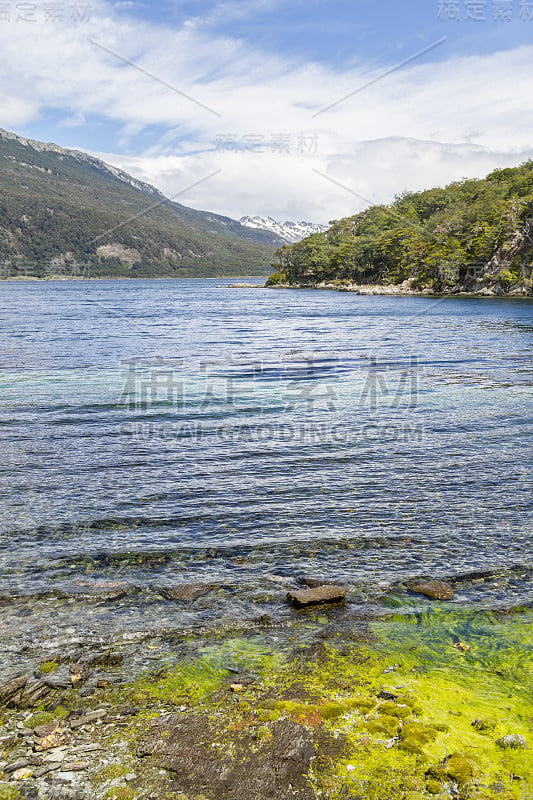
point(399, 290)
point(406, 708)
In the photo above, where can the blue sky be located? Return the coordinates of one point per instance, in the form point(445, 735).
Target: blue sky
point(175, 91)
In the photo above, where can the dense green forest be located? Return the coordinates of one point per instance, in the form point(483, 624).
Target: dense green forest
point(64, 212)
point(472, 236)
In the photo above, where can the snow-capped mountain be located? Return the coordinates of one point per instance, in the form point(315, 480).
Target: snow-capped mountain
point(290, 232)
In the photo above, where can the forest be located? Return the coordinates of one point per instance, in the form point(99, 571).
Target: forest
point(466, 237)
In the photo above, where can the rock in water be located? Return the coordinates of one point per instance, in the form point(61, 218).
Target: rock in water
point(313, 597)
point(313, 583)
point(436, 590)
point(187, 592)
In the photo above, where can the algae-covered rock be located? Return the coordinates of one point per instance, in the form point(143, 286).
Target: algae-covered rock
point(455, 767)
point(393, 710)
point(389, 726)
point(513, 741)
point(224, 762)
point(415, 735)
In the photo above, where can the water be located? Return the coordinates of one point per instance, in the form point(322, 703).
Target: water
point(155, 433)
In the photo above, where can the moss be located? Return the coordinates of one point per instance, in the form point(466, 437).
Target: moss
point(415, 735)
point(48, 667)
point(362, 704)
point(44, 717)
point(456, 767)
point(112, 771)
point(393, 710)
point(333, 710)
point(8, 792)
point(384, 724)
point(264, 734)
point(120, 793)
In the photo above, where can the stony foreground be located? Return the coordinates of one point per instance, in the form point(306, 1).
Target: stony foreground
point(414, 708)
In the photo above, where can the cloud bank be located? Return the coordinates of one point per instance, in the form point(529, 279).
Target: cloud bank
point(199, 102)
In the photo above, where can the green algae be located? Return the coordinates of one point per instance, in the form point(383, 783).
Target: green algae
point(9, 792)
point(412, 715)
point(44, 717)
point(195, 681)
point(120, 793)
point(445, 692)
point(48, 667)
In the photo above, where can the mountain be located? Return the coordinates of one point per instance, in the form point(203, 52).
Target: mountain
point(287, 231)
point(473, 236)
point(60, 209)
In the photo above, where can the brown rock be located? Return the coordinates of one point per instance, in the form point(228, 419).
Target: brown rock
point(32, 695)
point(51, 740)
point(436, 590)
point(188, 592)
point(312, 597)
point(12, 687)
point(184, 745)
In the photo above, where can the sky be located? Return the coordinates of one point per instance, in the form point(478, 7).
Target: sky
point(300, 110)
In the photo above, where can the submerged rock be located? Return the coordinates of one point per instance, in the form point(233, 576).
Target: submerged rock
point(436, 590)
point(313, 583)
point(321, 594)
point(187, 592)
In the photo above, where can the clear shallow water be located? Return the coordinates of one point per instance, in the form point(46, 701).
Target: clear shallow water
point(155, 433)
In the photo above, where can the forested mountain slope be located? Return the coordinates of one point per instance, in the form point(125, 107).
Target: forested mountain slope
point(62, 207)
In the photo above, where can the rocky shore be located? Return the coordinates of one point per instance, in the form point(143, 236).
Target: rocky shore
point(408, 708)
point(404, 289)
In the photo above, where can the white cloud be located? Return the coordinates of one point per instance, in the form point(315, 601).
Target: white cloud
point(426, 124)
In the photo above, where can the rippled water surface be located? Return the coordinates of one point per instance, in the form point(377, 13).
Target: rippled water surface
point(156, 433)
